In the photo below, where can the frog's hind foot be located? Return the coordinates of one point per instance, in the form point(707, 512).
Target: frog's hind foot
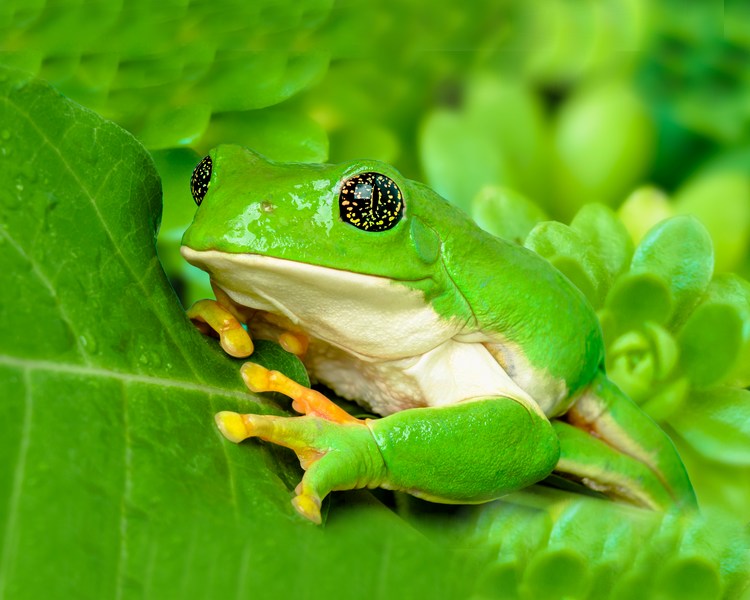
point(334, 456)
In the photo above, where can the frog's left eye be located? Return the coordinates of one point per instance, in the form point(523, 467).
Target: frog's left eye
point(371, 202)
point(200, 180)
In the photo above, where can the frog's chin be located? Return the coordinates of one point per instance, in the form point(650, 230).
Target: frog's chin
point(356, 312)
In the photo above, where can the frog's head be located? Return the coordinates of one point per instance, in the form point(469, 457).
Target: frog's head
point(349, 243)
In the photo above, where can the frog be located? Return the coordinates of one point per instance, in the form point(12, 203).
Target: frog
point(480, 365)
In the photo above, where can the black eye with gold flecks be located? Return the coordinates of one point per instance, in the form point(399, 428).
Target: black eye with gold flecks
point(200, 179)
point(371, 202)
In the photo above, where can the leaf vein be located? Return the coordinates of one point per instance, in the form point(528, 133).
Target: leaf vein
point(90, 371)
point(52, 292)
point(18, 479)
point(186, 355)
point(126, 495)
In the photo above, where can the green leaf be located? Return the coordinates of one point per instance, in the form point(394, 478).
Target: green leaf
point(279, 133)
point(643, 209)
point(679, 251)
point(505, 213)
point(161, 70)
point(732, 290)
point(640, 361)
point(496, 137)
point(602, 145)
point(569, 253)
point(723, 487)
point(510, 115)
point(636, 299)
point(710, 343)
point(606, 235)
point(366, 139)
point(716, 423)
point(668, 400)
point(455, 164)
point(631, 364)
point(240, 80)
point(720, 198)
point(116, 482)
point(173, 127)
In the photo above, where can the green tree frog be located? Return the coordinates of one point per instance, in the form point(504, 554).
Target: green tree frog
point(484, 361)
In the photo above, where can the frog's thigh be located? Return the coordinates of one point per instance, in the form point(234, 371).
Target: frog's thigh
point(604, 469)
point(472, 451)
point(632, 459)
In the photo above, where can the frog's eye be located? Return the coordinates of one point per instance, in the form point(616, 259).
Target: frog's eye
point(371, 202)
point(200, 180)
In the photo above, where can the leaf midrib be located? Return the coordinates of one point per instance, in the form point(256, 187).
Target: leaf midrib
point(26, 364)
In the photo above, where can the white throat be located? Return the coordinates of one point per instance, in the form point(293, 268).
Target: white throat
point(370, 317)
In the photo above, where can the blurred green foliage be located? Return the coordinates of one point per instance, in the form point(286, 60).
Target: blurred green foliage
point(677, 337)
point(566, 103)
point(607, 117)
point(550, 545)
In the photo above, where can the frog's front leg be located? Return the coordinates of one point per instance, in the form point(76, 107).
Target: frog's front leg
point(336, 449)
point(225, 318)
point(469, 452)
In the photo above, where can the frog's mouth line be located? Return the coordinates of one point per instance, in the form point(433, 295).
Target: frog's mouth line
point(352, 311)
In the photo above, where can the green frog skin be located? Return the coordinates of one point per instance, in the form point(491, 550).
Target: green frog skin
point(483, 360)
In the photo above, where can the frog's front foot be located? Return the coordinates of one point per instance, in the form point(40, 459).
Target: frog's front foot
point(225, 318)
point(211, 316)
point(336, 450)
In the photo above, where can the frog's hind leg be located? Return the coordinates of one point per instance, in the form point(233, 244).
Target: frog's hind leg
point(612, 446)
point(467, 452)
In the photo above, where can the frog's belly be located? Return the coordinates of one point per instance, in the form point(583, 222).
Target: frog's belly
point(452, 372)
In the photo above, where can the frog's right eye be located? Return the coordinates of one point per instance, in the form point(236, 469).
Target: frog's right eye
point(200, 180)
point(371, 202)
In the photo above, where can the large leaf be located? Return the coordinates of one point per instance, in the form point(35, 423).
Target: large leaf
point(115, 482)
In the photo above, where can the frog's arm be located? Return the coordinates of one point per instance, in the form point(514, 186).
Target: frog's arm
point(467, 452)
point(224, 317)
point(628, 456)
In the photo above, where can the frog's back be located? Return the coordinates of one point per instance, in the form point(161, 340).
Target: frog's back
point(534, 321)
